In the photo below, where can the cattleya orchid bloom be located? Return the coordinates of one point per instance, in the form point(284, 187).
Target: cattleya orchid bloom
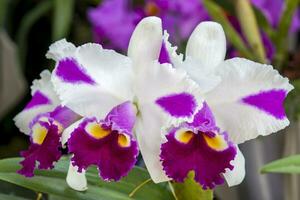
point(119, 96)
point(44, 119)
point(243, 98)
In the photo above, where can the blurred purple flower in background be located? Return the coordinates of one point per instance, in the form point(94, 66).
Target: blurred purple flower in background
point(113, 21)
point(273, 9)
point(268, 45)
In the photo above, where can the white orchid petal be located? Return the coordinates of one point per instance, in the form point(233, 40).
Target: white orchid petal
point(200, 74)
point(61, 49)
point(244, 104)
point(93, 81)
point(207, 44)
point(146, 40)
point(76, 180)
point(149, 144)
point(237, 175)
point(45, 88)
point(175, 58)
point(111, 70)
point(155, 81)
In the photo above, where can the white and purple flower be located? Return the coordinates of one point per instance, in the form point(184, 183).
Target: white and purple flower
point(44, 120)
point(114, 96)
point(183, 115)
point(246, 99)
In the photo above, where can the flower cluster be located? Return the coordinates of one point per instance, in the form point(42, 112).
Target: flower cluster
point(182, 114)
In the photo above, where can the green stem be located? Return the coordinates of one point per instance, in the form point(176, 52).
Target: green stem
point(39, 196)
point(139, 187)
point(281, 37)
point(250, 28)
point(172, 190)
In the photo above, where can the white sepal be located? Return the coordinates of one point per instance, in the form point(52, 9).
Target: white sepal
point(75, 179)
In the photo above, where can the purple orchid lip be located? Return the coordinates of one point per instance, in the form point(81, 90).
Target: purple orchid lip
point(46, 130)
point(208, 156)
point(61, 116)
point(198, 147)
point(108, 143)
point(93, 143)
point(44, 148)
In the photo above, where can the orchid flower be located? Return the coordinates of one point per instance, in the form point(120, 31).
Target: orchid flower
point(242, 97)
point(125, 100)
point(44, 119)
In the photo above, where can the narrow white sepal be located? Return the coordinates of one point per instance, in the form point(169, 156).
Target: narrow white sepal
point(76, 180)
point(237, 175)
point(207, 43)
point(146, 40)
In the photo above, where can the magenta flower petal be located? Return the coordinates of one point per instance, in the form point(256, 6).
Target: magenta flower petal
point(178, 105)
point(178, 158)
point(121, 118)
point(38, 98)
point(164, 55)
point(44, 148)
point(109, 143)
point(204, 120)
point(200, 147)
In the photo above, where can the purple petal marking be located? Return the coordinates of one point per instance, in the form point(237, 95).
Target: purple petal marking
point(208, 164)
point(178, 105)
point(164, 55)
point(70, 71)
point(204, 119)
point(113, 161)
point(38, 99)
point(64, 116)
point(270, 101)
point(61, 114)
point(46, 154)
point(121, 118)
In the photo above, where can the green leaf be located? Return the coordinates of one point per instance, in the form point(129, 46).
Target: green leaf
point(281, 36)
point(27, 22)
point(53, 182)
point(11, 197)
point(63, 14)
point(263, 23)
point(217, 13)
point(288, 165)
point(191, 190)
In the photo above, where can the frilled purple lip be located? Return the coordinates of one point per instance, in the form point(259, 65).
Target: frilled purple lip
point(198, 155)
point(44, 148)
point(113, 152)
point(108, 143)
point(198, 146)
